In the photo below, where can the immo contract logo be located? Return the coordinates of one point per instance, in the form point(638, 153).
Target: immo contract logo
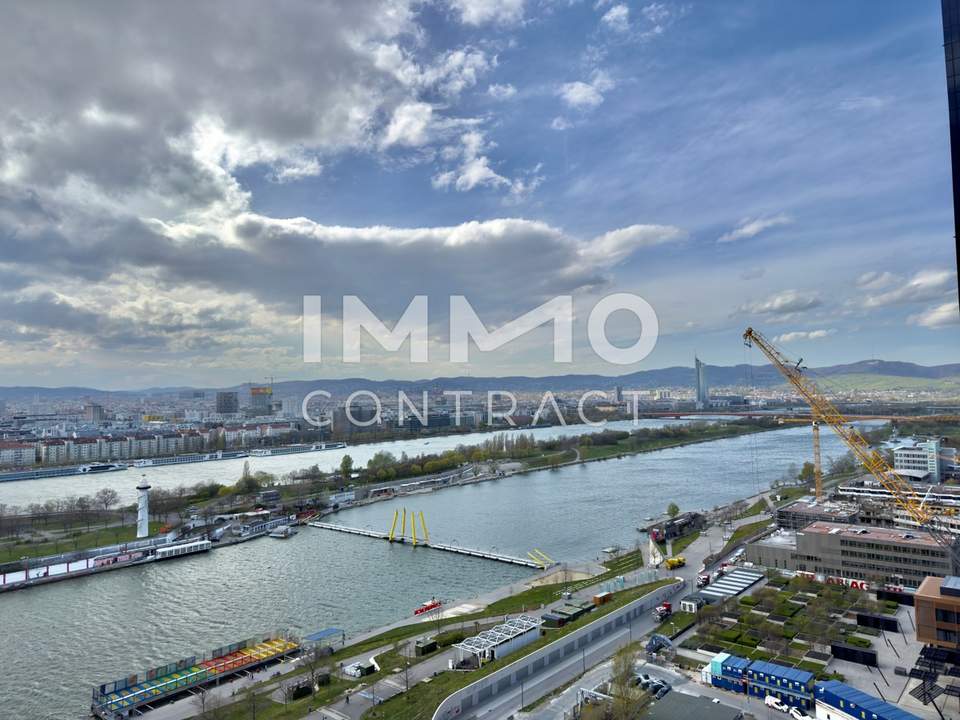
point(466, 325)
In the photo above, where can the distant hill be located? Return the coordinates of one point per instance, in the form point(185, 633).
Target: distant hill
point(866, 375)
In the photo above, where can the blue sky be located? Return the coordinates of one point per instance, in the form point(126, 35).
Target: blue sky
point(165, 206)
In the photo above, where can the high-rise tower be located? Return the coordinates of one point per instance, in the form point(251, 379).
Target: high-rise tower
point(951, 51)
point(703, 393)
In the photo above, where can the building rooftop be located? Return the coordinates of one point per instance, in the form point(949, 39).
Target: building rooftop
point(867, 533)
point(781, 538)
point(869, 703)
point(937, 587)
point(678, 706)
point(809, 506)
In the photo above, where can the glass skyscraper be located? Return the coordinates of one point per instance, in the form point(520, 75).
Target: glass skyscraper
point(951, 51)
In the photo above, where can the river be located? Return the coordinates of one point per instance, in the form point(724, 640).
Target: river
point(61, 639)
point(227, 472)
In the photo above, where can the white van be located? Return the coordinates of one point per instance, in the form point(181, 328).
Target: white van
point(772, 702)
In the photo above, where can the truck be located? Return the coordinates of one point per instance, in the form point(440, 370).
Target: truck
point(662, 611)
point(676, 562)
point(703, 580)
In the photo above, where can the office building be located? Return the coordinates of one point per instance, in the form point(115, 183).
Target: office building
point(855, 555)
point(93, 413)
point(261, 400)
point(937, 607)
point(919, 461)
point(703, 392)
point(228, 403)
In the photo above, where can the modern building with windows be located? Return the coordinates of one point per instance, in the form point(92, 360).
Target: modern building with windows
point(937, 607)
point(951, 51)
point(856, 555)
point(703, 392)
point(918, 457)
point(228, 403)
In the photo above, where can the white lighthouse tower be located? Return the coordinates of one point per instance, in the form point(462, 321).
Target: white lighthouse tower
point(143, 508)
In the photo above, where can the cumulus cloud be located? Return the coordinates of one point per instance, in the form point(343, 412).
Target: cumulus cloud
point(617, 18)
point(560, 123)
point(926, 285)
point(501, 92)
point(751, 227)
point(615, 246)
point(479, 12)
point(803, 335)
point(938, 316)
point(473, 169)
point(585, 95)
point(409, 125)
point(785, 303)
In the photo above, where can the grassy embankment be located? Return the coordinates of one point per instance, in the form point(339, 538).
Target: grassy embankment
point(70, 542)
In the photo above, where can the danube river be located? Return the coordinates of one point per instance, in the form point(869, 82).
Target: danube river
point(62, 638)
point(227, 472)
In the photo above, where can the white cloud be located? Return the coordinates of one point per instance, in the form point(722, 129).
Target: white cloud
point(560, 123)
point(803, 335)
point(409, 125)
point(751, 227)
point(479, 12)
point(656, 12)
point(924, 286)
point(582, 95)
point(617, 18)
point(501, 92)
point(784, 303)
point(474, 169)
point(615, 246)
point(875, 280)
point(938, 316)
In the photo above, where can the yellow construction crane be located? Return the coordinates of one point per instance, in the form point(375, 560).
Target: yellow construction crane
point(817, 465)
point(824, 410)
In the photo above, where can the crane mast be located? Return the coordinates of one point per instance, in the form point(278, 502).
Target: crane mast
point(825, 411)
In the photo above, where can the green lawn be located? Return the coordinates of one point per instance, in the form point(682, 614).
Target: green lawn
point(681, 543)
point(81, 539)
point(758, 507)
point(742, 533)
point(676, 624)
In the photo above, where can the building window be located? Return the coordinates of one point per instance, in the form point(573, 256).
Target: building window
point(947, 616)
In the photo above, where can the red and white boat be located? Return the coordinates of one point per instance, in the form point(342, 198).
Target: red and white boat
point(432, 604)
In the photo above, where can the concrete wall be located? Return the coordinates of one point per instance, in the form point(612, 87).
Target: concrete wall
point(539, 662)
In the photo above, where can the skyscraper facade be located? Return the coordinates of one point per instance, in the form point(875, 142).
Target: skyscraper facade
point(951, 51)
point(228, 403)
point(703, 393)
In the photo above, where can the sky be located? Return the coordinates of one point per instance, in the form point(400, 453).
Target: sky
point(175, 177)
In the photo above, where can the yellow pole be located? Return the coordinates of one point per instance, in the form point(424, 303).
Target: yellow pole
point(393, 527)
point(426, 535)
point(413, 527)
point(403, 528)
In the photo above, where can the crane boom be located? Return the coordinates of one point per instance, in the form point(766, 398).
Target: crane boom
point(824, 410)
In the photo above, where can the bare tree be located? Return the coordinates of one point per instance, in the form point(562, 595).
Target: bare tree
point(84, 505)
point(106, 498)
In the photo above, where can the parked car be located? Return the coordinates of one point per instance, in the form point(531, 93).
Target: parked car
point(664, 689)
point(798, 714)
point(772, 702)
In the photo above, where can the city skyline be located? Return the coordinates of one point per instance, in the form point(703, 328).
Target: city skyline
point(164, 207)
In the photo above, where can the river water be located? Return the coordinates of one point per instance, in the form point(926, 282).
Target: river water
point(227, 472)
point(60, 639)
